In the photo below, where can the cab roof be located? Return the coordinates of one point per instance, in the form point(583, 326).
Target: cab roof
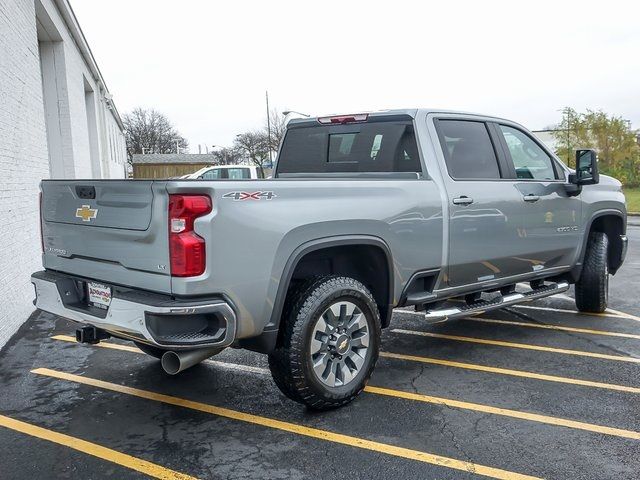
point(411, 112)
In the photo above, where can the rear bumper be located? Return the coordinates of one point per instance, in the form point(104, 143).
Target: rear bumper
point(157, 320)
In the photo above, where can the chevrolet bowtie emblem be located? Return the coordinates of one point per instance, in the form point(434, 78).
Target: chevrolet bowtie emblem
point(86, 213)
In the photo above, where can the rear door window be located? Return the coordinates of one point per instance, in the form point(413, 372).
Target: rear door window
point(375, 146)
point(530, 161)
point(468, 150)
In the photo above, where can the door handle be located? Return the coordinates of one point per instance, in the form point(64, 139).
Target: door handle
point(531, 198)
point(462, 200)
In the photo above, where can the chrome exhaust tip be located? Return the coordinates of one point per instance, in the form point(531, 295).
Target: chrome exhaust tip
point(176, 362)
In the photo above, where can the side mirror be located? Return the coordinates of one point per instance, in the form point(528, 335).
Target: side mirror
point(586, 168)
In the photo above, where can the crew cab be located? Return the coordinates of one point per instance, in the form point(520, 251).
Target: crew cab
point(365, 213)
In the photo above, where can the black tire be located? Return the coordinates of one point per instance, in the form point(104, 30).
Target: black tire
point(592, 290)
point(291, 363)
point(150, 350)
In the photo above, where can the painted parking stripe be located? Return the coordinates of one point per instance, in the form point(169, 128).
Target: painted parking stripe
point(511, 372)
point(534, 417)
point(524, 346)
point(609, 313)
point(553, 327)
point(409, 358)
point(445, 401)
point(624, 314)
point(93, 449)
point(128, 348)
point(338, 438)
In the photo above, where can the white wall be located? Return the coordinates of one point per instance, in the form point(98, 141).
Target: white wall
point(27, 155)
point(76, 79)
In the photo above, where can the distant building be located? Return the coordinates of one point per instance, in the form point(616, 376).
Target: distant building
point(167, 165)
point(57, 120)
point(546, 137)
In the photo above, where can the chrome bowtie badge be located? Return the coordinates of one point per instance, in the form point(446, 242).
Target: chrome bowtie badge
point(86, 213)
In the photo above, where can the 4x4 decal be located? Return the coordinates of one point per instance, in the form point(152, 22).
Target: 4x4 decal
point(239, 196)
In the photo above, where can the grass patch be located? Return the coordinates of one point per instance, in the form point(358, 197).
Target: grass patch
point(633, 199)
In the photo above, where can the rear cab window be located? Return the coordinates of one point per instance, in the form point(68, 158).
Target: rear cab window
point(381, 144)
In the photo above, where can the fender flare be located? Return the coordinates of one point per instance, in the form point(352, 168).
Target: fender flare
point(318, 244)
point(577, 270)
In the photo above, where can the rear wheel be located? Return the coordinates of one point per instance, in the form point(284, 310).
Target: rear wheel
point(329, 343)
point(149, 350)
point(592, 290)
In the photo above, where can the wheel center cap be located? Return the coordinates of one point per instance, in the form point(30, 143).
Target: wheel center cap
point(342, 344)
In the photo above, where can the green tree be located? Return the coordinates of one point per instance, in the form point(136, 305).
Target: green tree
point(611, 136)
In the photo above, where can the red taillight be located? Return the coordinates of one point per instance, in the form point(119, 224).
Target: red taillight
point(186, 249)
point(358, 117)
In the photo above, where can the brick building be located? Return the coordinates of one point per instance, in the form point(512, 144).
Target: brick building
point(57, 120)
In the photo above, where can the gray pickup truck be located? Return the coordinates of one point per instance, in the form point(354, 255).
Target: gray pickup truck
point(365, 213)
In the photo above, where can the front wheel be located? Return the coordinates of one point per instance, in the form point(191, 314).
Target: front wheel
point(329, 343)
point(592, 290)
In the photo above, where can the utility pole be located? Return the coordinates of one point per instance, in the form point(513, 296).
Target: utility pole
point(268, 127)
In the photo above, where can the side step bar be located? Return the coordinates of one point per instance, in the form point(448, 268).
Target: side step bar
point(450, 313)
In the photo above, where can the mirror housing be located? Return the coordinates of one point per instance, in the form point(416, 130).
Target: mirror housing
point(586, 168)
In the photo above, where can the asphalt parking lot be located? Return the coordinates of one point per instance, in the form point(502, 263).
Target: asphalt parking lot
point(530, 391)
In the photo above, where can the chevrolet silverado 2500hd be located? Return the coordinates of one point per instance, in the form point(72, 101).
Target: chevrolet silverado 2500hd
point(365, 213)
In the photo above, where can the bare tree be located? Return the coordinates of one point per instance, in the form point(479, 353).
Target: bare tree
point(227, 156)
point(149, 131)
point(278, 128)
point(254, 145)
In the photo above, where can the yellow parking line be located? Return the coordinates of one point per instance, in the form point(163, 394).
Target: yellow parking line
point(534, 417)
point(289, 427)
point(624, 314)
point(412, 358)
point(524, 346)
point(513, 373)
point(449, 402)
point(142, 466)
point(127, 348)
point(608, 313)
point(113, 346)
point(553, 327)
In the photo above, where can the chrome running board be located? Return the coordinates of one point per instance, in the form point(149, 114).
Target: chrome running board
point(477, 308)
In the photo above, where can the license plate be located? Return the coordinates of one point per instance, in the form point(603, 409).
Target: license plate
point(99, 294)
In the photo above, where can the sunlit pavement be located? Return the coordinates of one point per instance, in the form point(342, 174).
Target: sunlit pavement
point(531, 391)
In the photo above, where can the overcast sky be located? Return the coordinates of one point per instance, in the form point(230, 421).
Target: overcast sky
point(207, 64)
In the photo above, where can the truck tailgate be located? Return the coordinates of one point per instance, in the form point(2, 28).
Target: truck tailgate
point(110, 230)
